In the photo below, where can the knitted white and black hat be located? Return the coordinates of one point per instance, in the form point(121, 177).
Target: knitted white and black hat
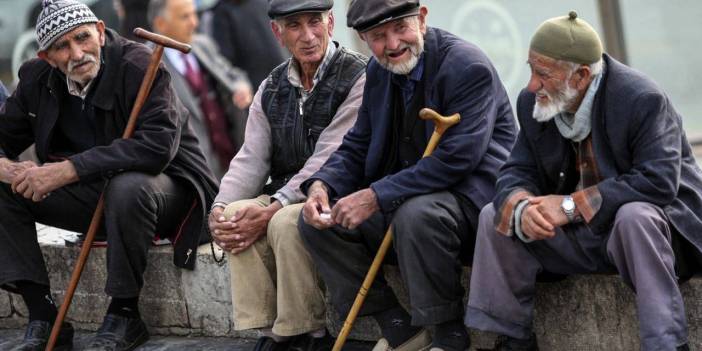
point(59, 17)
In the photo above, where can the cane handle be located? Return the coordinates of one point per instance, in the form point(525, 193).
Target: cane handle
point(441, 123)
point(162, 40)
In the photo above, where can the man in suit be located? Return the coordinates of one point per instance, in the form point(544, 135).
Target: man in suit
point(601, 179)
point(212, 90)
point(377, 178)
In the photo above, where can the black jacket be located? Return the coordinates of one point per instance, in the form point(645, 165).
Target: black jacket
point(162, 141)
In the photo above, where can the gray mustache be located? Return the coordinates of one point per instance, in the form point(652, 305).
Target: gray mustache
point(86, 58)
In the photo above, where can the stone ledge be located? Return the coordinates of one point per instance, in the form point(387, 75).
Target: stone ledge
point(594, 312)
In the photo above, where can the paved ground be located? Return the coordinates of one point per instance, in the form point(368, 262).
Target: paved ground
point(8, 338)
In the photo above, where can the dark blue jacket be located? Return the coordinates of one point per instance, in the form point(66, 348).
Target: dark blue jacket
point(459, 79)
point(641, 150)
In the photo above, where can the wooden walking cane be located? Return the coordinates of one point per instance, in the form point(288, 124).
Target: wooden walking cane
point(441, 124)
point(144, 90)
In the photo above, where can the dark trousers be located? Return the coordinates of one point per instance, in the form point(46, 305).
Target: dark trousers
point(137, 206)
point(431, 235)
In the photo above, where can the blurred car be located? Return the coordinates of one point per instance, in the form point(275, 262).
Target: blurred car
point(17, 19)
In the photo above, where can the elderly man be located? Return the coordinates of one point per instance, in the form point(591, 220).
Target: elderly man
point(298, 118)
point(212, 90)
point(432, 203)
point(601, 179)
point(74, 103)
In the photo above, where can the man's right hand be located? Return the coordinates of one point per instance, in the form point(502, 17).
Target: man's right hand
point(316, 211)
point(10, 169)
point(534, 225)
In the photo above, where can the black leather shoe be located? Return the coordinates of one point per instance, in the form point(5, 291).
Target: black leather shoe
point(37, 335)
point(306, 342)
point(506, 343)
point(266, 343)
point(119, 333)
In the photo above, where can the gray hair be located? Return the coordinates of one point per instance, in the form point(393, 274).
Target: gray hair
point(156, 9)
point(595, 68)
point(281, 21)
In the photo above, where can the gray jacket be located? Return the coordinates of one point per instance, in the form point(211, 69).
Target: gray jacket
point(227, 77)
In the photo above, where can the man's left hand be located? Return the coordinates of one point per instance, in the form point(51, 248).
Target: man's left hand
point(354, 209)
point(550, 208)
point(36, 183)
point(250, 224)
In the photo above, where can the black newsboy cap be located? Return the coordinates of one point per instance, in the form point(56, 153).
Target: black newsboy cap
point(366, 14)
point(282, 8)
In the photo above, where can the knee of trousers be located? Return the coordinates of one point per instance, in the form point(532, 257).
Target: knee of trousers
point(634, 216)
point(129, 192)
point(283, 233)
point(414, 216)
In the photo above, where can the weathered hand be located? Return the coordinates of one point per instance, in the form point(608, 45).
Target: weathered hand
point(316, 211)
point(221, 229)
point(354, 209)
point(36, 183)
point(550, 208)
point(534, 225)
point(250, 224)
point(10, 169)
point(242, 96)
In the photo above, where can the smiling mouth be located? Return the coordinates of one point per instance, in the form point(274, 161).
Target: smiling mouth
point(398, 53)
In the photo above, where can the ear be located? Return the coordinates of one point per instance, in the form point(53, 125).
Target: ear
point(277, 31)
point(423, 12)
point(100, 25)
point(583, 76)
point(330, 25)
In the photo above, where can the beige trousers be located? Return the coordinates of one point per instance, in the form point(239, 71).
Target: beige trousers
point(274, 282)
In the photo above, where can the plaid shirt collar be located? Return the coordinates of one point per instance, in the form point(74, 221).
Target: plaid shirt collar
point(294, 69)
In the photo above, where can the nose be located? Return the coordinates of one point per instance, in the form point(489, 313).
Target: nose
point(534, 84)
point(392, 42)
point(307, 34)
point(76, 52)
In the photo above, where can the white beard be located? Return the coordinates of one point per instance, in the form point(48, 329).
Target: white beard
point(407, 66)
point(556, 105)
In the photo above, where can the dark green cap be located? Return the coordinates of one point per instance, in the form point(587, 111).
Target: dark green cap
point(567, 38)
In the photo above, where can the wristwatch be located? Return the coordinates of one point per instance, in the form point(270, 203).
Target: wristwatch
point(568, 208)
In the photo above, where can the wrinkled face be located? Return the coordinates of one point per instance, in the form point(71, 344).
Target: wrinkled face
point(306, 35)
point(551, 82)
point(77, 53)
point(178, 20)
point(397, 45)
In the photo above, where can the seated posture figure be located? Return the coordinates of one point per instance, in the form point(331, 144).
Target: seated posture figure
point(298, 118)
point(601, 179)
point(377, 177)
point(73, 104)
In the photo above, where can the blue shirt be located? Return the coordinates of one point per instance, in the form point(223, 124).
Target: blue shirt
point(408, 82)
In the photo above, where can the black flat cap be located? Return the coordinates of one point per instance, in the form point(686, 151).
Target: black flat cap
point(366, 14)
point(282, 8)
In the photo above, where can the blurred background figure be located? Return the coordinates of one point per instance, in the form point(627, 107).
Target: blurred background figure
point(215, 93)
point(131, 14)
point(242, 30)
point(3, 93)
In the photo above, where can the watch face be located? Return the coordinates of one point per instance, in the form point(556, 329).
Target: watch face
point(568, 204)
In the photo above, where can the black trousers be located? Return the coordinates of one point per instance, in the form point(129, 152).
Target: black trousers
point(137, 206)
point(433, 236)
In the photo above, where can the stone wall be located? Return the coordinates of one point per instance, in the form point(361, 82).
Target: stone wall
point(580, 313)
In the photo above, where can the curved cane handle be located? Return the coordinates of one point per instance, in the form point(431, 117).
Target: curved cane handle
point(441, 124)
point(162, 40)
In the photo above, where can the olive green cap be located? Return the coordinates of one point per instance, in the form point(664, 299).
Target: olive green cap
point(567, 38)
